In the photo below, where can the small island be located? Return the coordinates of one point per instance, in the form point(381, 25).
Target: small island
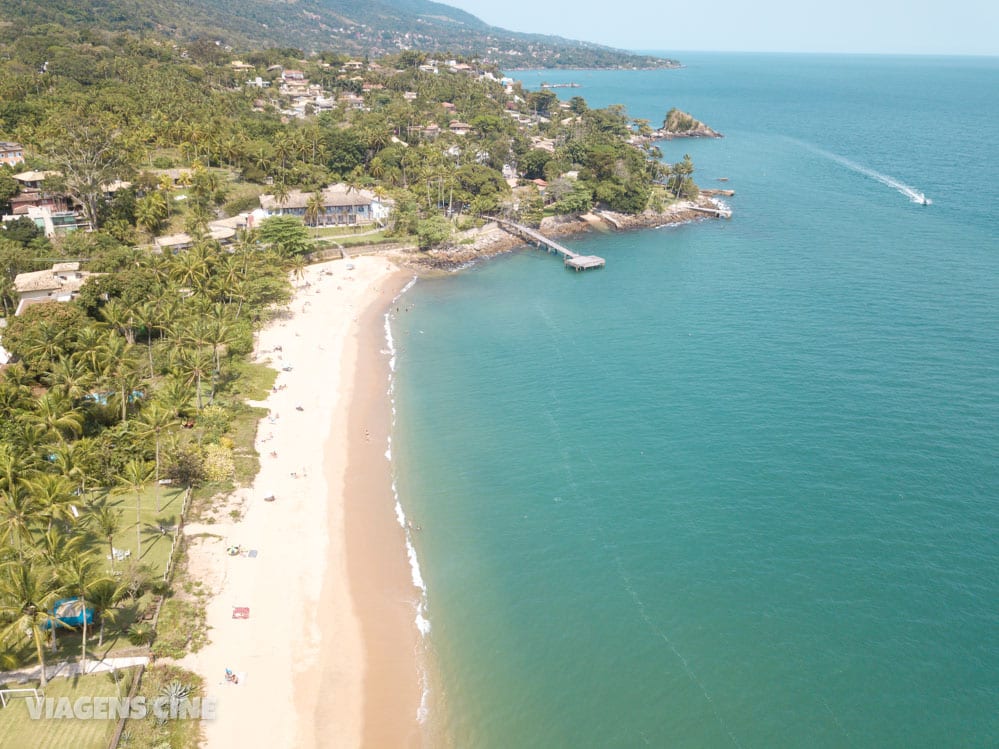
point(679, 124)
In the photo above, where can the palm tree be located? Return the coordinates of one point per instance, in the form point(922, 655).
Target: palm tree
point(19, 511)
point(314, 209)
point(89, 342)
point(104, 596)
point(55, 412)
point(53, 495)
point(133, 478)
point(175, 394)
point(120, 318)
point(26, 598)
point(155, 420)
point(151, 211)
point(80, 576)
point(108, 522)
point(67, 459)
point(70, 377)
point(281, 193)
point(119, 369)
point(193, 365)
point(12, 398)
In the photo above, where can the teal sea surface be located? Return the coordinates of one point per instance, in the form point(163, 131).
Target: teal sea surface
point(740, 487)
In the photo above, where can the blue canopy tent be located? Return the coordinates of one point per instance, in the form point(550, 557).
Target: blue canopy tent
point(69, 612)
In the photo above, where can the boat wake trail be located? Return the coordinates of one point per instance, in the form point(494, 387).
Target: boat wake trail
point(914, 195)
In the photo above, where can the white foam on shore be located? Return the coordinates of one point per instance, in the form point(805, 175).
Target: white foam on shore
point(420, 620)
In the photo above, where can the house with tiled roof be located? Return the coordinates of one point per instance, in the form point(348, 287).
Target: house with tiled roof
point(60, 283)
point(11, 153)
point(341, 205)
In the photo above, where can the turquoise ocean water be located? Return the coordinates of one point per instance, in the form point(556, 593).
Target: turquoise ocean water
point(741, 487)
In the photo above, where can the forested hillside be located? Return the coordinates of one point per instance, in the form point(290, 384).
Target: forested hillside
point(375, 28)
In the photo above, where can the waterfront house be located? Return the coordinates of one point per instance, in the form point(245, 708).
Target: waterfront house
point(341, 205)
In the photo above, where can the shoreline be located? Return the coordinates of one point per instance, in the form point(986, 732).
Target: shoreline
point(490, 240)
point(335, 594)
point(303, 656)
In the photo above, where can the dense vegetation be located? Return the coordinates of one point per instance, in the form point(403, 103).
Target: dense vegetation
point(373, 27)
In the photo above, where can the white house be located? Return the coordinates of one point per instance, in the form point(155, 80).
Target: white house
point(61, 283)
point(341, 204)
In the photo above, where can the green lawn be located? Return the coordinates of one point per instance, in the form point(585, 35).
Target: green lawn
point(17, 729)
point(155, 526)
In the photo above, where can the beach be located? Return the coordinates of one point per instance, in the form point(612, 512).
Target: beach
point(313, 603)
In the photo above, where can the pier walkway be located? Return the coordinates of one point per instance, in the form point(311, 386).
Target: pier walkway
point(716, 212)
point(569, 258)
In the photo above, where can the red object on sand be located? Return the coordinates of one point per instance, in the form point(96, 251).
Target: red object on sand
point(240, 612)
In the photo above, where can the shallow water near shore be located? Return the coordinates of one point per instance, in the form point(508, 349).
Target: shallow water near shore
point(739, 487)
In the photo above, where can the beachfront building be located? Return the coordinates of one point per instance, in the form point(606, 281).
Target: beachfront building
point(11, 154)
point(341, 205)
point(60, 283)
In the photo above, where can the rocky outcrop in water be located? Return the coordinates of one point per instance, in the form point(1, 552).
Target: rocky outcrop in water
point(679, 124)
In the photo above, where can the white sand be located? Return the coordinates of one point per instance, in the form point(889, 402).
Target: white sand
point(299, 537)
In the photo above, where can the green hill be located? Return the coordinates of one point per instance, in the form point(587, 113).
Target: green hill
point(357, 27)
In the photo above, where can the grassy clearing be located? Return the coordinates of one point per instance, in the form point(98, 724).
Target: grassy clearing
point(155, 526)
point(249, 382)
point(17, 729)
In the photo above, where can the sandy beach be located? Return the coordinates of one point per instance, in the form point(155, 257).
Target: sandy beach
point(326, 655)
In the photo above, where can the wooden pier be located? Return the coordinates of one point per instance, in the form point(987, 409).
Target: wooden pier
point(569, 258)
point(716, 212)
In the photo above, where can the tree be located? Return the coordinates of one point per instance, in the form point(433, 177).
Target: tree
point(154, 421)
point(27, 595)
point(90, 152)
point(286, 234)
point(681, 178)
point(105, 594)
point(433, 231)
point(55, 412)
point(532, 164)
point(133, 478)
point(108, 522)
point(18, 512)
point(53, 496)
point(119, 370)
point(151, 211)
point(79, 577)
point(314, 209)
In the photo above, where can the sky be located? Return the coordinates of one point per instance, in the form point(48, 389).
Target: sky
point(953, 27)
